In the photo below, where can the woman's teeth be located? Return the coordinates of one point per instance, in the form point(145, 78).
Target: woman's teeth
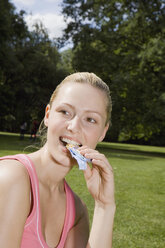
point(68, 141)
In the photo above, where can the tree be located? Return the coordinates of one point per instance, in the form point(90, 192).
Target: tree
point(123, 42)
point(30, 69)
point(12, 30)
point(66, 61)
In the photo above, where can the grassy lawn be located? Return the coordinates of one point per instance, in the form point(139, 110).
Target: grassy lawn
point(140, 185)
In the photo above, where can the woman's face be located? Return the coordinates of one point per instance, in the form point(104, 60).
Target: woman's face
point(77, 115)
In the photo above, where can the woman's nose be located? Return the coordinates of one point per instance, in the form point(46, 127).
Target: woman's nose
point(74, 124)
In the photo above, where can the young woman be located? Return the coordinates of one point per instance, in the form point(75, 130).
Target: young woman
point(37, 207)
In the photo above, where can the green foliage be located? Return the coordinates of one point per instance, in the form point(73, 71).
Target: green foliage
point(66, 61)
point(30, 68)
point(124, 43)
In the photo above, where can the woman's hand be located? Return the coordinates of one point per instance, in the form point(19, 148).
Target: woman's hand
point(99, 178)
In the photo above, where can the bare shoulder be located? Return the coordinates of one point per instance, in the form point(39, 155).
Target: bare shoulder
point(14, 179)
point(14, 182)
point(14, 202)
point(13, 175)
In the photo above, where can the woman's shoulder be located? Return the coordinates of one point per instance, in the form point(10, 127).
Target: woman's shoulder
point(14, 201)
point(13, 172)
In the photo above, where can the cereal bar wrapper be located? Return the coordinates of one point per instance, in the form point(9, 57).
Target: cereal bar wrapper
point(81, 160)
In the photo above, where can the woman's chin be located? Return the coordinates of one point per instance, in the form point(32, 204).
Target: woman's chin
point(66, 160)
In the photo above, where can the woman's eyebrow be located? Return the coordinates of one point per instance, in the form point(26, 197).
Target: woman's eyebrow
point(94, 112)
point(69, 105)
point(86, 110)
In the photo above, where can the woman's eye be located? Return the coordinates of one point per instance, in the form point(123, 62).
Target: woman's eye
point(91, 120)
point(64, 112)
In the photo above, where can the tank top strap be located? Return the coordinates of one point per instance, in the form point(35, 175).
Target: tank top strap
point(70, 214)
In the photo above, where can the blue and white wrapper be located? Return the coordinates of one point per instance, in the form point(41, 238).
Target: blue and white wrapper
point(81, 160)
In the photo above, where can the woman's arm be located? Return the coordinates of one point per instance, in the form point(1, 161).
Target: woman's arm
point(102, 227)
point(14, 202)
point(100, 183)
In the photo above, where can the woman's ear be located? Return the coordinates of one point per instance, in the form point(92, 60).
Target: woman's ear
point(104, 133)
point(46, 118)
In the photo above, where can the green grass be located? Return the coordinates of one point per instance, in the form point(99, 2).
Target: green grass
point(10, 143)
point(140, 185)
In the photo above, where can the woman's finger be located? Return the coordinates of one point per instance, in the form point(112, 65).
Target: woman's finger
point(88, 172)
point(103, 162)
point(105, 166)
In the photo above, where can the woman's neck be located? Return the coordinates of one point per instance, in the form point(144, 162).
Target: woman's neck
point(49, 172)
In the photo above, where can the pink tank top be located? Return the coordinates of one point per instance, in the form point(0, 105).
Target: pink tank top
point(32, 235)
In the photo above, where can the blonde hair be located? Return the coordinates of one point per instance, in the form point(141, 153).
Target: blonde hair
point(86, 78)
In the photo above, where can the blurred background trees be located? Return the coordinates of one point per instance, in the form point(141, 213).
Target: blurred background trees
point(122, 41)
point(30, 69)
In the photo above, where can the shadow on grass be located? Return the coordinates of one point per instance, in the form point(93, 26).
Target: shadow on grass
point(124, 155)
point(130, 150)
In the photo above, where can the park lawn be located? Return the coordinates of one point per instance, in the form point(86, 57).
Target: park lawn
point(139, 182)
